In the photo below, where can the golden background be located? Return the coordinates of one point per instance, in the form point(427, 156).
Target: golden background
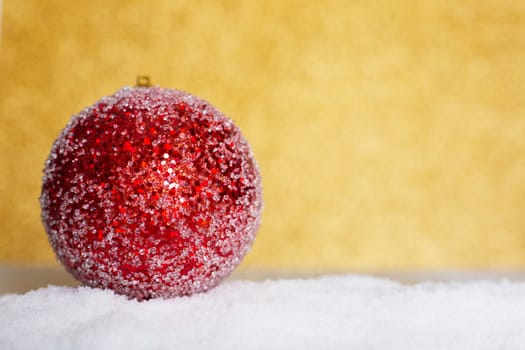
point(390, 134)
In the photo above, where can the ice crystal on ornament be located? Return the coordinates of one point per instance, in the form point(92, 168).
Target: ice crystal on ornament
point(151, 192)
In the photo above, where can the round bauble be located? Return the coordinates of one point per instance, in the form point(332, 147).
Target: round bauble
point(151, 192)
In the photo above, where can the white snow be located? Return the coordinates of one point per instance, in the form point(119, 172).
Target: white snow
point(332, 312)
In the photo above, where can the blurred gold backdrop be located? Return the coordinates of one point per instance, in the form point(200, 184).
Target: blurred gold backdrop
point(390, 134)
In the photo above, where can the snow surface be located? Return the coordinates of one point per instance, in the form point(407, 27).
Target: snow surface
point(332, 312)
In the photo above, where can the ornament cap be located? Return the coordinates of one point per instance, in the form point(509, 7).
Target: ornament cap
point(143, 81)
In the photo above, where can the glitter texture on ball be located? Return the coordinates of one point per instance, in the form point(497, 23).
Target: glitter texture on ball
point(151, 192)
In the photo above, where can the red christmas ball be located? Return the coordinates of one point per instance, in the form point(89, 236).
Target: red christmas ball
point(151, 192)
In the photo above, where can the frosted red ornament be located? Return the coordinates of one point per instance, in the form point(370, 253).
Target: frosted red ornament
point(151, 192)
